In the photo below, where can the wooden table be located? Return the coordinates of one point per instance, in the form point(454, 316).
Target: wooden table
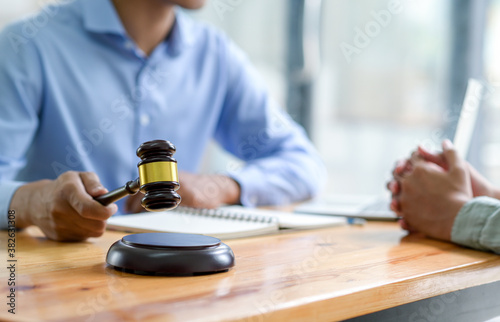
point(326, 274)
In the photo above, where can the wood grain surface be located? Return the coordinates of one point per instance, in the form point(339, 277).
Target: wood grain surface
point(324, 275)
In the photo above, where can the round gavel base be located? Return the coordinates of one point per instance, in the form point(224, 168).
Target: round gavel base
point(170, 254)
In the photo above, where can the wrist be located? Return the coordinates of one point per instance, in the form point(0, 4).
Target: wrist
point(489, 191)
point(19, 203)
point(495, 193)
point(454, 207)
point(232, 191)
point(25, 199)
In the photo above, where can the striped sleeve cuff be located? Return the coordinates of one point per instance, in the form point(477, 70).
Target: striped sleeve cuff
point(477, 225)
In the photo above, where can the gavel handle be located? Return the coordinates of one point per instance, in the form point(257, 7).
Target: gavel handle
point(129, 188)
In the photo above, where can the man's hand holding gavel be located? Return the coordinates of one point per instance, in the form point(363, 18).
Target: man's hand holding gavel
point(64, 209)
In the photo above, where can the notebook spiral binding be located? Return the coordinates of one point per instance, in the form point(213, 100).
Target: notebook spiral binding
point(225, 214)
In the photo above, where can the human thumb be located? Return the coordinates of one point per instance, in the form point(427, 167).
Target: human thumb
point(451, 155)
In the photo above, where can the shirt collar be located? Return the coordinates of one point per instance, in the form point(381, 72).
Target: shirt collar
point(182, 34)
point(100, 16)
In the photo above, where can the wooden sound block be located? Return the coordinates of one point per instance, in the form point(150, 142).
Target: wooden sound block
point(170, 254)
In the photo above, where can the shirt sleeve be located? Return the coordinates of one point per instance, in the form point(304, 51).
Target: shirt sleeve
point(20, 96)
point(477, 225)
point(281, 164)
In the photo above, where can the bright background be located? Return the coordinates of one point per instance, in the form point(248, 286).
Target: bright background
point(374, 108)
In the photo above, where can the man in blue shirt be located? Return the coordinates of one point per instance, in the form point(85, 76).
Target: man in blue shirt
point(85, 83)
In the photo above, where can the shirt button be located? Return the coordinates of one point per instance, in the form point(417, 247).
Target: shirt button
point(144, 119)
point(129, 45)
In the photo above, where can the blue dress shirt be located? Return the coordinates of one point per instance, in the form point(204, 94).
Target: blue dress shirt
point(76, 93)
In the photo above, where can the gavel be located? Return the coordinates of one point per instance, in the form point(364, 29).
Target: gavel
point(163, 253)
point(158, 178)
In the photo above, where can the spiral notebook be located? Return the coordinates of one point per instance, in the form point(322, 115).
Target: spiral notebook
point(224, 222)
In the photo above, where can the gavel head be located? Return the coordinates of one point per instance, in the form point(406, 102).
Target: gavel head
point(158, 175)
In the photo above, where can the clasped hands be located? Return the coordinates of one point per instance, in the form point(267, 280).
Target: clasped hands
point(429, 189)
